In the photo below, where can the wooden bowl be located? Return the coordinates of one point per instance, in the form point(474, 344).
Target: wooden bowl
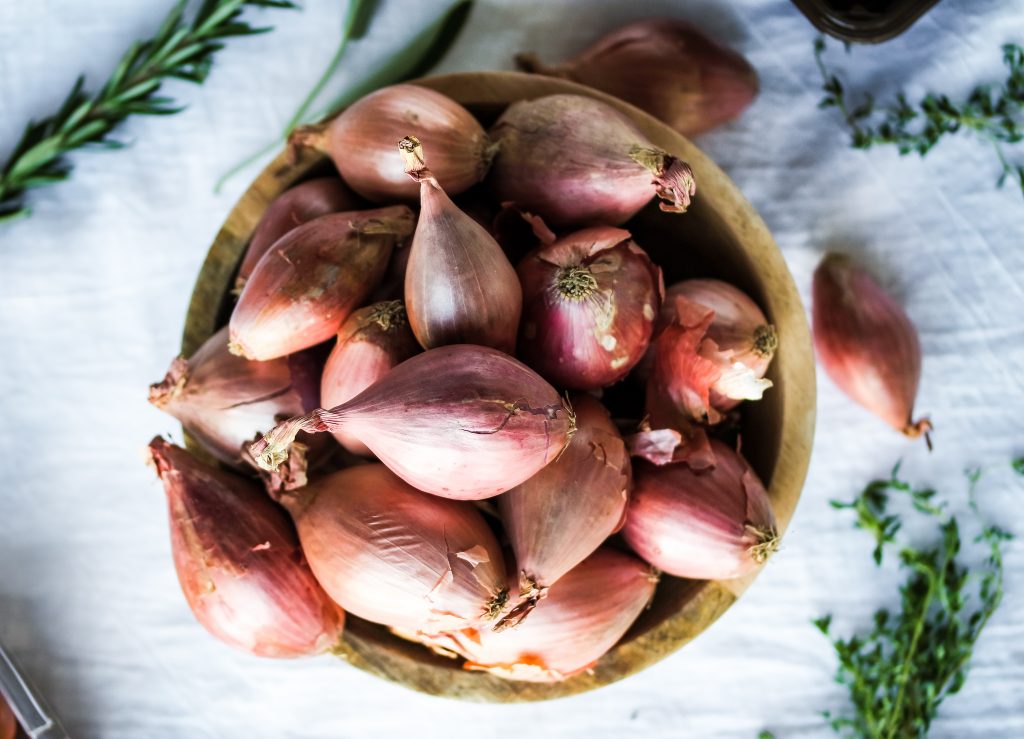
point(721, 236)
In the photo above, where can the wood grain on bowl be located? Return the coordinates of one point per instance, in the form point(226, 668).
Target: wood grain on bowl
point(721, 236)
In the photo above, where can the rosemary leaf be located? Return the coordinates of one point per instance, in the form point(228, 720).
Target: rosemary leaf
point(995, 114)
point(901, 670)
point(178, 50)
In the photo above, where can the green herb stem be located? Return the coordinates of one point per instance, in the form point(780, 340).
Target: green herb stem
point(357, 20)
point(899, 673)
point(180, 49)
point(994, 113)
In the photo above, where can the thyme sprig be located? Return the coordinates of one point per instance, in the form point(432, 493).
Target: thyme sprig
point(180, 49)
point(995, 113)
point(899, 673)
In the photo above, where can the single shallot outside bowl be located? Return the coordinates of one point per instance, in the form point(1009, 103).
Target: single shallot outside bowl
point(720, 236)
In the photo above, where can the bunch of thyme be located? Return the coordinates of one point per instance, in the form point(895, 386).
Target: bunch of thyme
point(993, 112)
point(899, 673)
point(180, 49)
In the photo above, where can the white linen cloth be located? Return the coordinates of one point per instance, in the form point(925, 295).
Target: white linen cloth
point(95, 286)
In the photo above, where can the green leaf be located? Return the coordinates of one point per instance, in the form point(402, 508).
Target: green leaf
point(1018, 466)
point(176, 50)
point(357, 19)
point(898, 673)
point(989, 112)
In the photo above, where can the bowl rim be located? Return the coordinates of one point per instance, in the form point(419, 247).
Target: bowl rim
point(708, 599)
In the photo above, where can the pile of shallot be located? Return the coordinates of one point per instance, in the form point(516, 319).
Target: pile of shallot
point(524, 427)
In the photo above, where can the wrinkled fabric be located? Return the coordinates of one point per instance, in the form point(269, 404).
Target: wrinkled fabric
point(95, 286)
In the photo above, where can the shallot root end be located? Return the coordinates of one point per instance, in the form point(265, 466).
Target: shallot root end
point(767, 542)
point(916, 429)
point(766, 341)
point(412, 158)
point(496, 604)
point(307, 137)
point(160, 393)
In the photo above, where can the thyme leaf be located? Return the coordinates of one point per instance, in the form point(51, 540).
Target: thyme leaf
point(994, 113)
point(899, 673)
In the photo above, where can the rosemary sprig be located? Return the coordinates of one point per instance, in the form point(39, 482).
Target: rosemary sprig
point(899, 673)
point(994, 113)
point(180, 49)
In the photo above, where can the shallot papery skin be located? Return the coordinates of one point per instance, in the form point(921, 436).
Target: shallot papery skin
point(558, 517)
point(371, 342)
point(576, 161)
point(668, 68)
point(867, 343)
point(223, 400)
point(459, 286)
point(679, 387)
point(688, 443)
point(361, 142)
point(306, 285)
point(584, 615)
point(589, 306)
point(744, 343)
point(715, 524)
point(394, 555)
point(239, 563)
point(302, 203)
point(462, 421)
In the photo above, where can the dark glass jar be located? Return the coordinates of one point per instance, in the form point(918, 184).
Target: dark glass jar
point(863, 21)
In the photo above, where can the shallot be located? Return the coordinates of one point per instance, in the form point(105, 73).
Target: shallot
point(459, 285)
point(462, 421)
point(668, 68)
point(222, 399)
point(740, 339)
point(361, 141)
point(692, 377)
point(303, 289)
point(370, 343)
point(302, 203)
point(576, 161)
point(589, 305)
point(867, 344)
point(714, 524)
point(239, 562)
point(585, 614)
point(394, 555)
point(559, 516)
